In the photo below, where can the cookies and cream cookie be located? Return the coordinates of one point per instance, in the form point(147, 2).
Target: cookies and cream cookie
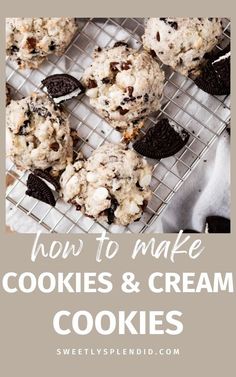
point(124, 86)
point(112, 185)
point(30, 40)
point(39, 134)
point(182, 43)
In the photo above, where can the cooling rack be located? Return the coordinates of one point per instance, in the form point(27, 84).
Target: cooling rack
point(205, 117)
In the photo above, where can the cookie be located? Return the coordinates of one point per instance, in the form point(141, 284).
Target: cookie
point(111, 186)
point(37, 189)
point(30, 40)
point(39, 134)
point(215, 74)
point(124, 86)
point(62, 87)
point(161, 141)
point(182, 42)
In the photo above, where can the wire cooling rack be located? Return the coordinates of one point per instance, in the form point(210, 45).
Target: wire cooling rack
point(202, 115)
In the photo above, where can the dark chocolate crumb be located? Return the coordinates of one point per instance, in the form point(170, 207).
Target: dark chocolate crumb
point(126, 65)
point(121, 43)
point(121, 110)
point(106, 80)
point(113, 66)
point(55, 146)
point(92, 84)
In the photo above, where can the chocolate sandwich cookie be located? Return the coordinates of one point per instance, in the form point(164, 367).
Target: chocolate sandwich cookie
point(62, 87)
point(161, 141)
point(38, 189)
point(215, 74)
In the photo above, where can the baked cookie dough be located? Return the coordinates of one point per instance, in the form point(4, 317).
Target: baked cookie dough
point(111, 186)
point(39, 134)
point(124, 86)
point(182, 42)
point(30, 40)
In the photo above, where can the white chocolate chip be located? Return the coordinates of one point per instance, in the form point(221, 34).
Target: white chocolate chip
point(91, 177)
point(133, 208)
point(145, 180)
point(198, 43)
point(100, 194)
point(124, 79)
point(92, 93)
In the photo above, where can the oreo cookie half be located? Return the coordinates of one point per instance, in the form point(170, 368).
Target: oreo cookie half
point(44, 174)
point(217, 224)
point(62, 87)
point(214, 224)
point(161, 141)
point(215, 75)
point(38, 189)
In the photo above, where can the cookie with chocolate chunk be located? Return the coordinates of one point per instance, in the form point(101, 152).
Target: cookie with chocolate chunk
point(161, 141)
point(124, 86)
point(39, 134)
point(112, 186)
point(215, 74)
point(30, 40)
point(182, 42)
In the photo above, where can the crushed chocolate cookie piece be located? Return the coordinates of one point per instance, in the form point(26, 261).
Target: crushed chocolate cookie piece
point(106, 80)
point(146, 97)
point(121, 43)
point(158, 36)
point(52, 46)
point(111, 211)
point(14, 49)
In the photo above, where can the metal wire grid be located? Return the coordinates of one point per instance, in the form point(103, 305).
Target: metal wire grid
point(204, 117)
